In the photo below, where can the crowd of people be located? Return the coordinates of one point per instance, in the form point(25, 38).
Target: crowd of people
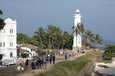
point(40, 62)
point(37, 63)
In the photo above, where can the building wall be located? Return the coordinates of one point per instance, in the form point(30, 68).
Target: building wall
point(8, 39)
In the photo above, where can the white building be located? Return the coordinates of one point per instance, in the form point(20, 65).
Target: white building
point(8, 39)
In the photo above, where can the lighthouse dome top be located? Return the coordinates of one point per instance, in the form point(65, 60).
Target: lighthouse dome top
point(77, 11)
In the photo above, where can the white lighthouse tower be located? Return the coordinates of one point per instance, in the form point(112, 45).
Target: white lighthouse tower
point(77, 37)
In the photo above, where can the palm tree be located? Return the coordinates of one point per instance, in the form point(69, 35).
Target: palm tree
point(55, 36)
point(50, 32)
point(40, 34)
point(22, 38)
point(1, 12)
point(91, 38)
point(1, 21)
point(80, 28)
point(98, 39)
point(67, 40)
point(88, 38)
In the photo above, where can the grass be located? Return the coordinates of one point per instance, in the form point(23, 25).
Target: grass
point(69, 68)
point(106, 61)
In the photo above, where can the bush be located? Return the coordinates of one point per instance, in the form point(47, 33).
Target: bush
point(109, 52)
point(24, 55)
point(107, 57)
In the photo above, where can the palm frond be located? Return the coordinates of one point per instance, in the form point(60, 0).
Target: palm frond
point(1, 12)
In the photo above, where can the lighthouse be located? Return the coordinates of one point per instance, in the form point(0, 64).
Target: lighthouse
point(77, 35)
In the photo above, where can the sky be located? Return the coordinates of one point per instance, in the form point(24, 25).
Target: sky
point(97, 15)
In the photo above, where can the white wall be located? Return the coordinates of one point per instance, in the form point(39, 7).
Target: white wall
point(8, 41)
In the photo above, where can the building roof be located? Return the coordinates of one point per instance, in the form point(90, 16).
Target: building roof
point(9, 20)
point(29, 46)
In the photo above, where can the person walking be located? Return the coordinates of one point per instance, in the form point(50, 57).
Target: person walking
point(53, 59)
point(66, 56)
point(45, 62)
point(33, 66)
point(37, 63)
point(27, 62)
point(50, 59)
point(47, 59)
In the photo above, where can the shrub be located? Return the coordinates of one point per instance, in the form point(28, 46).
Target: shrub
point(24, 55)
point(109, 52)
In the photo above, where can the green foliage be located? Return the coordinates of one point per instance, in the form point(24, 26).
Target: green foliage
point(22, 38)
point(67, 40)
point(90, 38)
point(34, 41)
point(53, 38)
point(1, 12)
point(2, 24)
point(41, 37)
point(109, 52)
point(24, 55)
point(80, 28)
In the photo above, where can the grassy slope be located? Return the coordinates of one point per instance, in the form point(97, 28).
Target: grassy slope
point(69, 68)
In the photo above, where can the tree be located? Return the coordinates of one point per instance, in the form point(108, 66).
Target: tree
point(79, 29)
point(54, 36)
point(109, 52)
point(90, 38)
point(98, 39)
point(34, 41)
point(67, 40)
point(22, 38)
point(2, 24)
point(40, 35)
point(1, 12)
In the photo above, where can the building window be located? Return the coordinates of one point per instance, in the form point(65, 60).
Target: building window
point(11, 54)
point(11, 31)
point(2, 44)
point(11, 44)
point(1, 56)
